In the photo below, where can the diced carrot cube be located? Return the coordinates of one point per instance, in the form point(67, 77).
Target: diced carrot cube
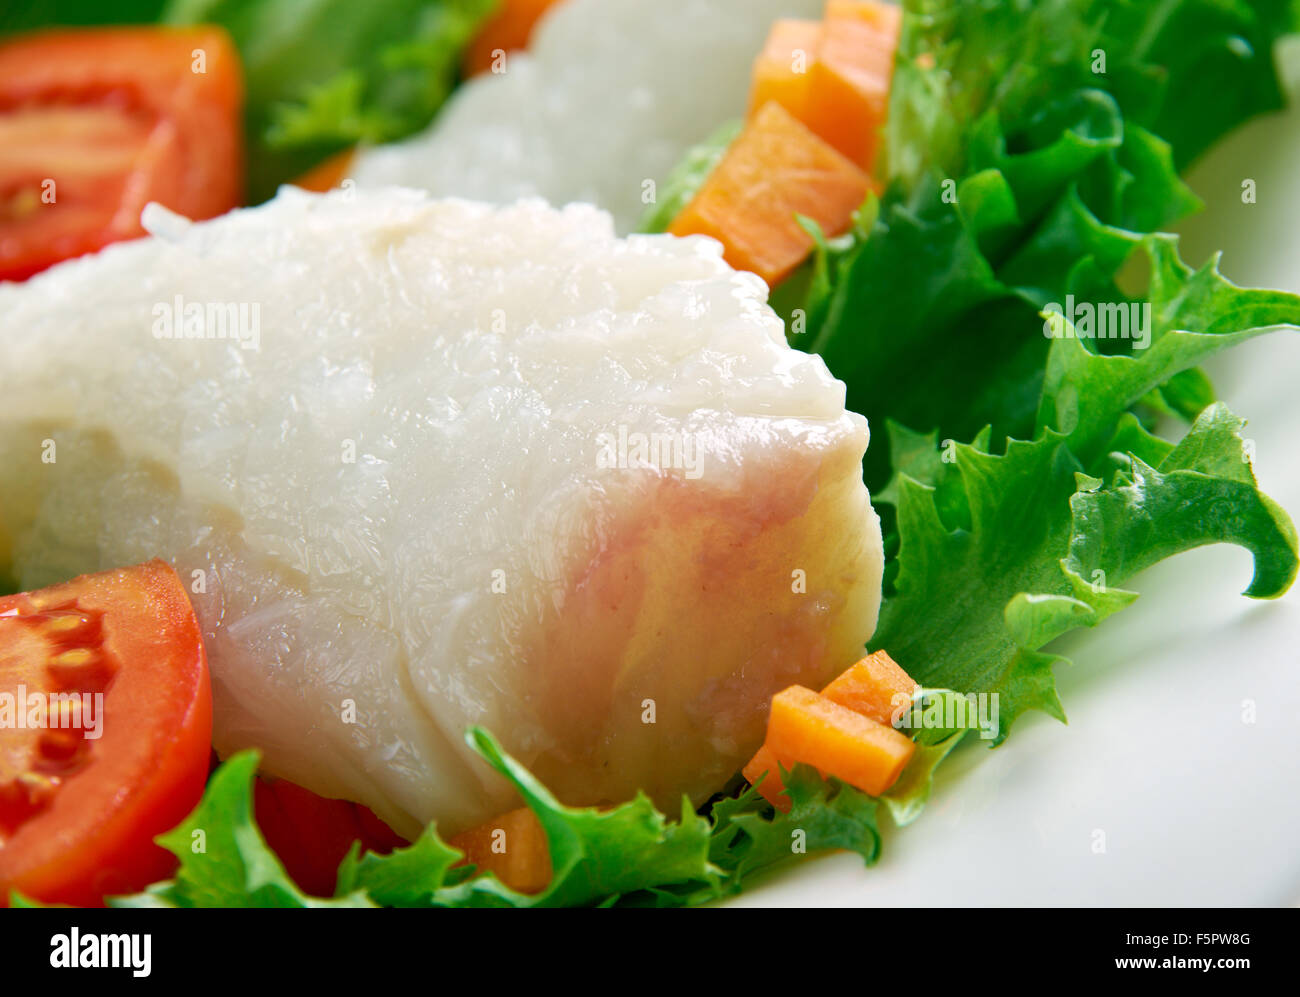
point(848, 85)
point(774, 169)
point(764, 766)
point(328, 174)
point(875, 687)
point(781, 70)
point(887, 18)
point(513, 846)
point(805, 726)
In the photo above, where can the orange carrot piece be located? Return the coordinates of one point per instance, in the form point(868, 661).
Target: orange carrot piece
point(887, 18)
point(513, 846)
point(508, 30)
point(805, 726)
point(774, 169)
point(875, 687)
point(848, 84)
point(764, 766)
point(328, 174)
point(781, 70)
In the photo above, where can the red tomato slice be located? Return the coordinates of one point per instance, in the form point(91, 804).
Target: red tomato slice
point(94, 124)
point(79, 812)
point(311, 834)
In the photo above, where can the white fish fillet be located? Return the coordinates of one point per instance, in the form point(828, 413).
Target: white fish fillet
point(610, 94)
point(403, 499)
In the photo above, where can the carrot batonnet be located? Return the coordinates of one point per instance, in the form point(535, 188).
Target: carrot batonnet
point(513, 846)
point(774, 170)
point(833, 75)
point(507, 30)
point(328, 174)
point(882, 16)
point(849, 81)
point(781, 69)
point(763, 766)
point(818, 101)
point(805, 726)
point(875, 687)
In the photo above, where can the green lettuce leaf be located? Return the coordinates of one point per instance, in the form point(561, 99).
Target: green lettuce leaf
point(224, 860)
point(940, 719)
point(322, 75)
point(28, 15)
point(598, 857)
point(629, 855)
point(1029, 164)
point(749, 836)
point(1187, 70)
point(1027, 155)
point(1001, 553)
point(998, 553)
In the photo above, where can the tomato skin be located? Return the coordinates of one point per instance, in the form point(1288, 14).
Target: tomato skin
point(147, 770)
point(312, 834)
point(113, 118)
point(376, 836)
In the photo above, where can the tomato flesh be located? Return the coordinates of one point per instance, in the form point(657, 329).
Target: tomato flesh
point(105, 732)
point(312, 834)
point(94, 124)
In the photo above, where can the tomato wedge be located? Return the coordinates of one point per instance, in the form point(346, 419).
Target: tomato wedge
point(94, 124)
point(311, 834)
point(105, 732)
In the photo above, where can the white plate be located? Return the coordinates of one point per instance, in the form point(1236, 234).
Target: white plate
point(1197, 805)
